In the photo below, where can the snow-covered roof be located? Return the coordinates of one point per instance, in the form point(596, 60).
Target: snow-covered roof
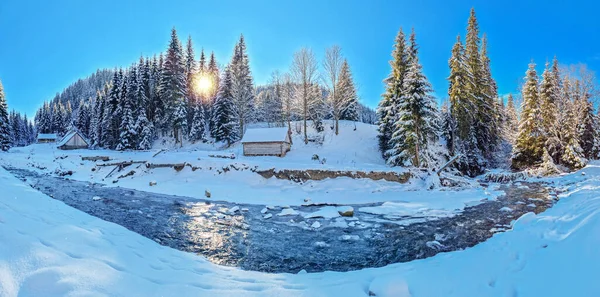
point(265, 135)
point(47, 136)
point(69, 136)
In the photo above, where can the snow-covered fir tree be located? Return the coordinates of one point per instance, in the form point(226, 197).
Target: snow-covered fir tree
point(127, 130)
point(512, 118)
point(348, 100)
point(197, 131)
point(415, 128)
point(191, 74)
point(4, 124)
point(225, 118)
point(242, 84)
point(173, 88)
point(387, 109)
point(529, 144)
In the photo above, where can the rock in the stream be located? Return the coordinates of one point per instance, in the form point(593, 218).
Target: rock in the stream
point(207, 193)
point(234, 209)
point(316, 225)
point(268, 216)
point(96, 198)
point(264, 210)
point(346, 211)
point(349, 237)
point(153, 183)
point(287, 212)
point(302, 271)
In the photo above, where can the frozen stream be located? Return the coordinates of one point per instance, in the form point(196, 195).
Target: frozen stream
point(288, 243)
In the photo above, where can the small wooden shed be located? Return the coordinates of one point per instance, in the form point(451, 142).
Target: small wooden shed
point(73, 140)
point(46, 138)
point(267, 142)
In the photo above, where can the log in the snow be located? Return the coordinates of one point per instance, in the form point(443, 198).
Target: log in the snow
point(158, 153)
point(95, 158)
point(448, 164)
point(111, 172)
point(232, 156)
point(176, 166)
point(130, 173)
point(124, 163)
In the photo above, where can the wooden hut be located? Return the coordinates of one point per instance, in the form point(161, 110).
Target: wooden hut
point(267, 142)
point(46, 138)
point(73, 140)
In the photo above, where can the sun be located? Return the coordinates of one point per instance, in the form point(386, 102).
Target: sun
point(203, 84)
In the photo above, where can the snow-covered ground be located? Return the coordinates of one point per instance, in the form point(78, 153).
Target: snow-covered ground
point(50, 249)
point(355, 148)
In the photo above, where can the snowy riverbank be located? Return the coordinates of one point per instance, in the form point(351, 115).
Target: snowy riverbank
point(55, 250)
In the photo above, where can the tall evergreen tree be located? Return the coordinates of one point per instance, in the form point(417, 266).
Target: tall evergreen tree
point(127, 131)
point(529, 145)
point(226, 121)
point(173, 87)
point(191, 74)
point(416, 125)
point(197, 131)
point(4, 125)
point(487, 122)
point(348, 103)
point(461, 106)
point(512, 118)
point(387, 109)
point(242, 85)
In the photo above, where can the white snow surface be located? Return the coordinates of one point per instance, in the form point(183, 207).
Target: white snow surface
point(50, 249)
point(353, 149)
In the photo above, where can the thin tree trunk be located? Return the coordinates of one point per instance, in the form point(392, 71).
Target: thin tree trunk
point(305, 113)
point(417, 146)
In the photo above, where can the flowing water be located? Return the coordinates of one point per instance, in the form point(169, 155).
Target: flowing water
point(246, 239)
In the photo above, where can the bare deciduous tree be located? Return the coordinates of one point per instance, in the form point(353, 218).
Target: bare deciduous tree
point(304, 70)
point(332, 66)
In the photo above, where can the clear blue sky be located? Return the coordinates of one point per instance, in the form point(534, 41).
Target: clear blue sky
point(46, 45)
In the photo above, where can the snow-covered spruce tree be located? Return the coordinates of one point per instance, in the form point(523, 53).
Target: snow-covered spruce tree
point(127, 131)
point(387, 107)
point(549, 95)
point(348, 104)
point(225, 119)
point(173, 88)
point(573, 155)
point(448, 127)
point(512, 118)
point(316, 107)
point(242, 85)
point(146, 131)
point(191, 72)
point(416, 126)
point(529, 145)
point(462, 107)
point(111, 117)
point(586, 129)
point(96, 120)
point(4, 125)
point(197, 132)
point(213, 74)
point(487, 121)
point(548, 167)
